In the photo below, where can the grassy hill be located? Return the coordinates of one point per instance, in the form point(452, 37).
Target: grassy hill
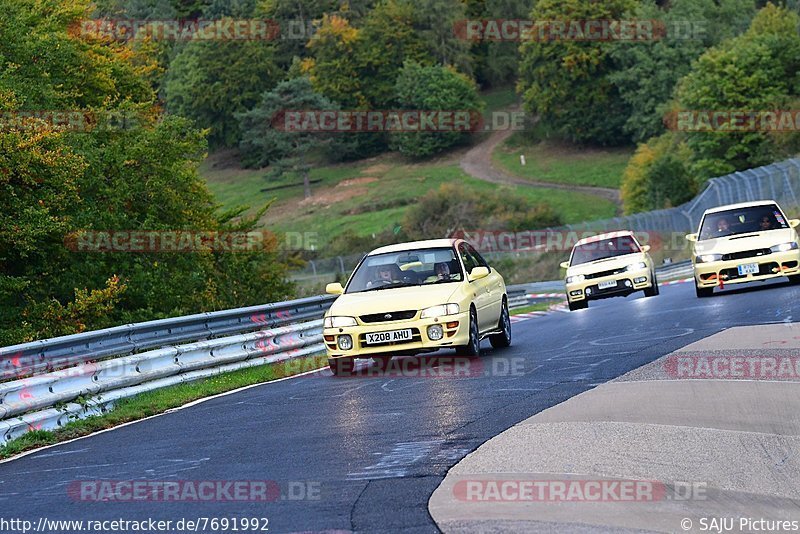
point(369, 196)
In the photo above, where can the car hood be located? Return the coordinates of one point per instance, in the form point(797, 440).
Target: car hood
point(392, 300)
point(608, 264)
point(749, 241)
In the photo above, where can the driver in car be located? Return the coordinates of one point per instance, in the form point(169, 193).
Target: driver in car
point(442, 272)
point(383, 275)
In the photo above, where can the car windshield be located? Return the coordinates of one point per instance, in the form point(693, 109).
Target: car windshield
point(604, 248)
point(742, 221)
point(406, 268)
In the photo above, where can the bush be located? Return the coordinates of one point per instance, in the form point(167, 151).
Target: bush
point(658, 175)
point(452, 208)
point(433, 88)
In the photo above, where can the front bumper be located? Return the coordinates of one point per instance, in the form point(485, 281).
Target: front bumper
point(772, 265)
point(456, 332)
point(626, 283)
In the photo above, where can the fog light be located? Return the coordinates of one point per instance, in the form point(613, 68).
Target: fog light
point(345, 342)
point(435, 332)
point(577, 292)
point(640, 280)
point(628, 283)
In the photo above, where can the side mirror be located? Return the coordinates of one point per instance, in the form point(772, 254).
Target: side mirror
point(478, 273)
point(794, 223)
point(691, 237)
point(646, 248)
point(564, 265)
point(334, 288)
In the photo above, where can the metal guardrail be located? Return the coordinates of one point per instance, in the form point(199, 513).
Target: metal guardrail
point(56, 353)
point(104, 366)
point(99, 385)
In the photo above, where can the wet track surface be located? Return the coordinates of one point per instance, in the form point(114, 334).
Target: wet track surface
point(375, 445)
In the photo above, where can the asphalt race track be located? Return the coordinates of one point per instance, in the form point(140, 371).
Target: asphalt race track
point(374, 445)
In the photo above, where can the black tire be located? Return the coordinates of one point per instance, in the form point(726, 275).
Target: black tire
point(341, 366)
point(703, 292)
point(473, 348)
point(503, 339)
point(580, 305)
point(652, 291)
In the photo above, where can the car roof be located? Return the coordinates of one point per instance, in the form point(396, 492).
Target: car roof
point(400, 247)
point(740, 205)
point(607, 235)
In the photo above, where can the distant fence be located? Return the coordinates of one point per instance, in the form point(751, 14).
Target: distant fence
point(779, 182)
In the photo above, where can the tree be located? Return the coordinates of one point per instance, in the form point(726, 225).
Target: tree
point(387, 39)
point(331, 69)
point(435, 21)
point(756, 71)
point(567, 82)
point(138, 175)
point(496, 62)
point(211, 81)
point(647, 72)
point(298, 21)
point(658, 175)
point(434, 88)
point(265, 141)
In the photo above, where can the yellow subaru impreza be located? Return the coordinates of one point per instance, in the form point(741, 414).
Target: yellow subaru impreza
point(416, 297)
point(608, 265)
point(742, 243)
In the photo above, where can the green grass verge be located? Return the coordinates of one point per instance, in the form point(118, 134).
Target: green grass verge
point(161, 400)
point(539, 306)
point(553, 162)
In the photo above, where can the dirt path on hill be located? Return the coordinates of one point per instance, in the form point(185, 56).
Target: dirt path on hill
point(477, 162)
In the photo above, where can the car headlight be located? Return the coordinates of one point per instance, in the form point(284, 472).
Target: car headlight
point(636, 266)
point(338, 322)
point(439, 311)
point(575, 279)
point(784, 247)
point(708, 258)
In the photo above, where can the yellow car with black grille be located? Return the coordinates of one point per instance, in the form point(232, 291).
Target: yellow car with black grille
point(608, 265)
point(416, 297)
point(745, 242)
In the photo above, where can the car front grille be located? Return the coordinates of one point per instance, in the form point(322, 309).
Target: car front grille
point(746, 254)
point(605, 273)
point(388, 316)
point(764, 269)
